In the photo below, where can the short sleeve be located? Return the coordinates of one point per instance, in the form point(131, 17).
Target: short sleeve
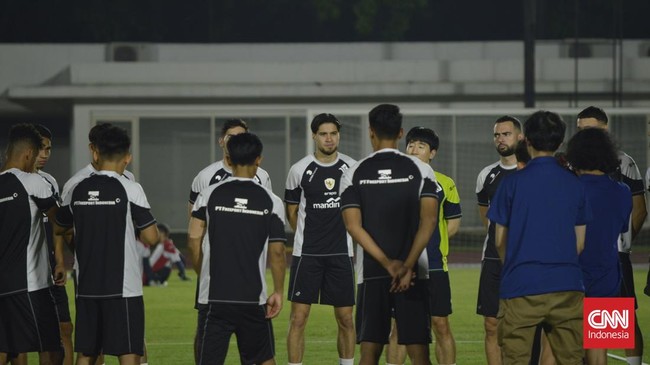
point(350, 197)
point(293, 190)
point(500, 206)
point(197, 186)
point(481, 194)
point(41, 192)
point(276, 225)
point(199, 210)
point(64, 217)
point(452, 207)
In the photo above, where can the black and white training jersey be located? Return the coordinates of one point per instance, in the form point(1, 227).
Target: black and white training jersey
point(105, 209)
point(217, 172)
point(387, 187)
point(85, 172)
point(314, 187)
point(486, 186)
point(628, 173)
point(23, 248)
point(242, 217)
point(49, 232)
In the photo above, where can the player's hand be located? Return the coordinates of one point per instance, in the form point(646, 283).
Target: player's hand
point(407, 280)
point(59, 275)
point(273, 305)
point(403, 281)
point(394, 267)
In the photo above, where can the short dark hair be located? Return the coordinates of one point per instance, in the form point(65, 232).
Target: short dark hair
point(509, 118)
point(593, 149)
point(163, 228)
point(323, 118)
point(423, 134)
point(594, 112)
point(544, 131)
point(96, 130)
point(232, 123)
point(386, 121)
point(26, 134)
point(43, 131)
point(521, 152)
point(244, 148)
point(113, 142)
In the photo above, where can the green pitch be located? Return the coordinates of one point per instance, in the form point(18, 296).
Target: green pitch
point(171, 323)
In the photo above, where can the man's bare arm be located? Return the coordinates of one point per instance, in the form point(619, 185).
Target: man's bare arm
point(639, 213)
point(453, 225)
point(278, 264)
point(580, 237)
point(482, 213)
point(501, 240)
point(195, 233)
point(292, 215)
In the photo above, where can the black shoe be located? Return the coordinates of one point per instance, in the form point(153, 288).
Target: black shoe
point(183, 277)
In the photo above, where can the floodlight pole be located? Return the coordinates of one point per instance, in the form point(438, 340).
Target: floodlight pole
point(530, 18)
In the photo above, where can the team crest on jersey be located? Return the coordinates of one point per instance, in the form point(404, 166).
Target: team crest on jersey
point(329, 183)
point(385, 174)
point(218, 177)
point(241, 203)
point(93, 196)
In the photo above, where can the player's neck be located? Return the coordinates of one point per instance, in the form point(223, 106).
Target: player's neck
point(244, 171)
point(226, 164)
point(321, 157)
point(509, 160)
point(535, 153)
point(590, 172)
point(380, 144)
point(13, 163)
point(115, 166)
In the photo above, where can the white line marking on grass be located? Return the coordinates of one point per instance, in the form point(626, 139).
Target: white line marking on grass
point(621, 358)
point(283, 342)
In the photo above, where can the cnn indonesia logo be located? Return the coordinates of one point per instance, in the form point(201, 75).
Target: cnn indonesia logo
point(608, 323)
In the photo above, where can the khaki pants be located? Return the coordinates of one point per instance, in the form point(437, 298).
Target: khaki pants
point(561, 316)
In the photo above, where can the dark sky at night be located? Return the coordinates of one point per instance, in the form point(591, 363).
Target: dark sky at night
point(313, 20)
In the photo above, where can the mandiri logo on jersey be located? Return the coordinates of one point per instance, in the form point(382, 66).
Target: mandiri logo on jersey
point(608, 323)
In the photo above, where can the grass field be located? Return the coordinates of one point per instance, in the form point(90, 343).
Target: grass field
point(171, 322)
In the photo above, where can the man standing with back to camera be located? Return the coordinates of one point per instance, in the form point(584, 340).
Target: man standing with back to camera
point(105, 210)
point(321, 269)
point(235, 224)
point(390, 207)
point(507, 133)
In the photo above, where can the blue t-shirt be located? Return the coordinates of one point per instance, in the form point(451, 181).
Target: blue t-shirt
point(611, 205)
point(540, 205)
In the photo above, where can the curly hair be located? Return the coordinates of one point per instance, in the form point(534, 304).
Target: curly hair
point(593, 149)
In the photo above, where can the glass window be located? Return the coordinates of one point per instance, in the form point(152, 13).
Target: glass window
point(172, 152)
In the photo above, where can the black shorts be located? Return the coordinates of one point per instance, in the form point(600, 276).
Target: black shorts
point(488, 288)
point(627, 281)
point(329, 277)
point(217, 322)
point(376, 305)
point(61, 301)
point(110, 326)
point(29, 323)
point(439, 293)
